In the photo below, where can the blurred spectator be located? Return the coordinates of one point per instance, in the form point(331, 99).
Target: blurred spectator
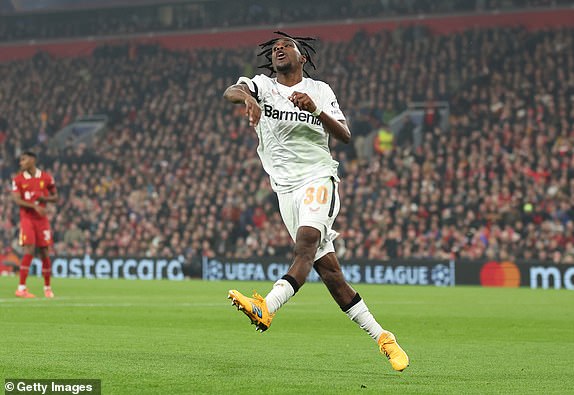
point(405, 137)
point(362, 130)
point(384, 140)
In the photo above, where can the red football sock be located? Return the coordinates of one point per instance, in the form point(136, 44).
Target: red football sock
point(25, 268)
point(46, 270)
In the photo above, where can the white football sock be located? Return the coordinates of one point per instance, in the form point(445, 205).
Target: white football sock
point(362, 316)
point(282, 291)
point(47, 287)
point(21, 287)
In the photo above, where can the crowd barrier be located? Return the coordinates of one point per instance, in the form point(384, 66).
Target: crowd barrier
point(407, 272)
point(431, 272)
point(427, 272)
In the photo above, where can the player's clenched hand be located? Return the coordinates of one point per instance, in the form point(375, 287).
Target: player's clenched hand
point(252, 111)
point(303, 101)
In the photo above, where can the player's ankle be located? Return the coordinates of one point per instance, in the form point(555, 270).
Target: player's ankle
point(21, 287)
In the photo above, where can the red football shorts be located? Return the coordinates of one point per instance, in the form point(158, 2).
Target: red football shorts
point(35, 231)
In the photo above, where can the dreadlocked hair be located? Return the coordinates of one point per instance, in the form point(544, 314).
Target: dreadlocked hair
point(302, 43)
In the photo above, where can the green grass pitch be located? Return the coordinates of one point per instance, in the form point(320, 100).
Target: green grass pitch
point(160, 337)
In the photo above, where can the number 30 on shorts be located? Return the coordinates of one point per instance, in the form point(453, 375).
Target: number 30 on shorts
point(321, 195)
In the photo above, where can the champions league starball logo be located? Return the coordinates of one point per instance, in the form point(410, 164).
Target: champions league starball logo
point(212, 270)
point(370, 272)
point(441, 275)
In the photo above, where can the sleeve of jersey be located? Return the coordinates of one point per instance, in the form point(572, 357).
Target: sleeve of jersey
point(51, 184)
point(254, 84)
point(15, 186)
point(330, 104)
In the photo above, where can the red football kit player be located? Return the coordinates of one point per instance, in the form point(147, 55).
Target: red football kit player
point(32, 188)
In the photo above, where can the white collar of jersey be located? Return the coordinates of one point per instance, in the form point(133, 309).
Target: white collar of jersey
point(27, 175)
point(288, 87)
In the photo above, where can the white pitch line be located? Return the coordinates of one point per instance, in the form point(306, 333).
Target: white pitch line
point(51, 304)
point(14, 299)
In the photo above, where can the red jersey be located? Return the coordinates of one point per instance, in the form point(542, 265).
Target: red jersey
point(31, 187)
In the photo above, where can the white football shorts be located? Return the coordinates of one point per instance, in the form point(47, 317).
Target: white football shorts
point(316, 204)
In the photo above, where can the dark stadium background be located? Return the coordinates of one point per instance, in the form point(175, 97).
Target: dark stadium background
point(122, 101)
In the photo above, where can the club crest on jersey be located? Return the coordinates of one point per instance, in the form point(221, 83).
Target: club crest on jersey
point(295, 116)
point(41, 184)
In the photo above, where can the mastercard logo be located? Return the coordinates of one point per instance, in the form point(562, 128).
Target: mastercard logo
point(504, 274)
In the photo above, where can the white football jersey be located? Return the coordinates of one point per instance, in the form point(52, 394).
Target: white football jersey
point(293, 145)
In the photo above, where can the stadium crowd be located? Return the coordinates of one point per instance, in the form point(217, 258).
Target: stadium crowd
point(177, 172)
point(222, 13)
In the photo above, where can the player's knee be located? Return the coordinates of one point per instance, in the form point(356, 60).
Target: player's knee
point(304, 251)
point(307, 243)
point(308, 236)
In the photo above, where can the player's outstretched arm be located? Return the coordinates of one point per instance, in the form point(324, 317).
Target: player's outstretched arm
point(239, 93)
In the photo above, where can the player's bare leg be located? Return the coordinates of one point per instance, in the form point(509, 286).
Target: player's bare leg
point(261, 311)
point(22, 291)
point(353, 305)
point(46, 271)
point(332, 276)
point(306, 244)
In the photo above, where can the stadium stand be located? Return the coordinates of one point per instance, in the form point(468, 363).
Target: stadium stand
point(177, 172)
point(39, 23)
